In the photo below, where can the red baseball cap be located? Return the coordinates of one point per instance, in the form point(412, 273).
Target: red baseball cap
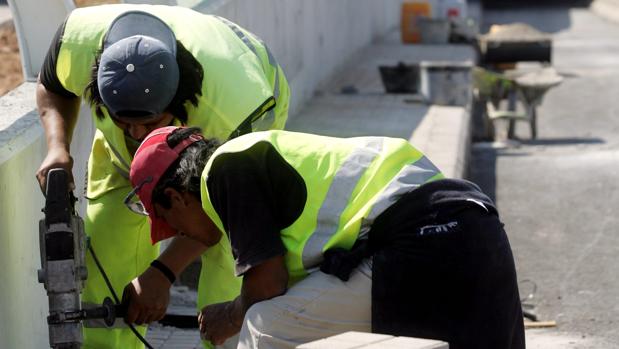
point(151, 161)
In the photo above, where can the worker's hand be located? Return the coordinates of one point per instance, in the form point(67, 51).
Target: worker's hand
point(148, 296)
point(216, 324)
point(56, 158)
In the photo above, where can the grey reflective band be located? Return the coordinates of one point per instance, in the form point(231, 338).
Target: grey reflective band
point(275, 66)
point(251, 46)
point(120, 158)
point(239, 33)
point(338, 196)
point(119, 323)
point(409, 178)
point(123, 172)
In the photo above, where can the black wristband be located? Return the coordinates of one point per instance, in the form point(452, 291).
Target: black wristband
point(164, 270)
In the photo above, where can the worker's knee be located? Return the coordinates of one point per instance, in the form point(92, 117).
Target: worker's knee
point(253, 328)
point(266, 327)
point(258, 315)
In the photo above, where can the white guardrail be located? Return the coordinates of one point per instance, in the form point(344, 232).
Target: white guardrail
point(310, 39)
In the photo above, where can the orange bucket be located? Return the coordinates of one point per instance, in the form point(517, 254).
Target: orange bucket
point(408, 25)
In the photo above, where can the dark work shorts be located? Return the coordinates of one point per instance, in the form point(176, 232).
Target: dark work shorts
point(451, 278)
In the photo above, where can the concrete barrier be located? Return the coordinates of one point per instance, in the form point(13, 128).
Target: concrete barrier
point(311, 39)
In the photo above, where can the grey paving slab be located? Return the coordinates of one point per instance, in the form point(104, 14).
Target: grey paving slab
point(170, 337)
point(408, 343)
point(360, 115)
point(351, 340)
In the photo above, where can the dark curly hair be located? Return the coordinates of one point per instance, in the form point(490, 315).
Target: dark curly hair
point(185, 174)
point(189, 89)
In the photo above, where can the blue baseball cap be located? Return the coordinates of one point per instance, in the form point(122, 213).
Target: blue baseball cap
point(138, 74)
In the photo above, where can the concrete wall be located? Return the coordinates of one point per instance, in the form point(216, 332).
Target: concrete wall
point(311, 39)
point(23, 303)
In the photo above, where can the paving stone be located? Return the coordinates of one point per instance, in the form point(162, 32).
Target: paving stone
point(350, 340)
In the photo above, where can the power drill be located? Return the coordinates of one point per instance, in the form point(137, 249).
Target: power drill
point(63, 245)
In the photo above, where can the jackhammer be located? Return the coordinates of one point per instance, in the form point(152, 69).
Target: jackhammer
point(63, 271)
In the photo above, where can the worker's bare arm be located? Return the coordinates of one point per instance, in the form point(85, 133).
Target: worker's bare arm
point(58, 116)
point(148, 295)
point(264, 281)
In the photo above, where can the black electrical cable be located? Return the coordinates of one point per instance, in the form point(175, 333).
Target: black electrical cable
point(116, 299)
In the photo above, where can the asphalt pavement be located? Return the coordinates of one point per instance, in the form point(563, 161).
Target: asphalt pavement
point(558, 195)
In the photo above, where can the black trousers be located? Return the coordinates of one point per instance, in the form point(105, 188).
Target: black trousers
point(450, 281)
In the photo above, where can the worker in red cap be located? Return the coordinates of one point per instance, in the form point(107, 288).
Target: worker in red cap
point(331, 235)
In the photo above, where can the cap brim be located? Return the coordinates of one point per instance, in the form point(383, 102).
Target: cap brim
point(139, 23)
point(160, 230)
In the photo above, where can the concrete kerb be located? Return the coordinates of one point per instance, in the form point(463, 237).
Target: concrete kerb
point(353, 103)
point(19, 125)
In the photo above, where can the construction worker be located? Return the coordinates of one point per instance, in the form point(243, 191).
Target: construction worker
point(332, 235)
point(142, 67)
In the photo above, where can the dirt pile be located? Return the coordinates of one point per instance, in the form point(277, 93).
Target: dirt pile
point(10, 63)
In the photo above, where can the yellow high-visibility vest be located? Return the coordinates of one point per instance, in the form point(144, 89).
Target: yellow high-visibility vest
point(349, 182)
point(243, 86)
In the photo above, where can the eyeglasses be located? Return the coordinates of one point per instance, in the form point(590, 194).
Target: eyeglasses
point(136, 206)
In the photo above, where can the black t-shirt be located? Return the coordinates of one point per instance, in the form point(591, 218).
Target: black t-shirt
point(48, 76)
point(256, 193)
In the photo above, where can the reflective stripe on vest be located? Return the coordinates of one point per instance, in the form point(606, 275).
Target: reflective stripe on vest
point(124, 172)
point(409, 178)
point(349, 182)
point(121, 171)
point(267, 119)
point(338, 195)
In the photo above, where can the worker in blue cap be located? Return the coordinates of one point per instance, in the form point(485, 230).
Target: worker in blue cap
point(141, 67)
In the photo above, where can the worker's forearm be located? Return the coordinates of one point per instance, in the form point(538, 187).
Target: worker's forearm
point(180, 253)
point(58, 115)
point(265, 281)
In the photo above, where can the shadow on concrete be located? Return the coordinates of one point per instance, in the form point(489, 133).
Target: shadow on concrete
point(483, 166)
point(563, 141)
point(354, 115)
point(547, 16)
point(511, 4)
point(482, 170)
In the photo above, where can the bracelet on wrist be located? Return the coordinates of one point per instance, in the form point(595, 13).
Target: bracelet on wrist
point(164, 270)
